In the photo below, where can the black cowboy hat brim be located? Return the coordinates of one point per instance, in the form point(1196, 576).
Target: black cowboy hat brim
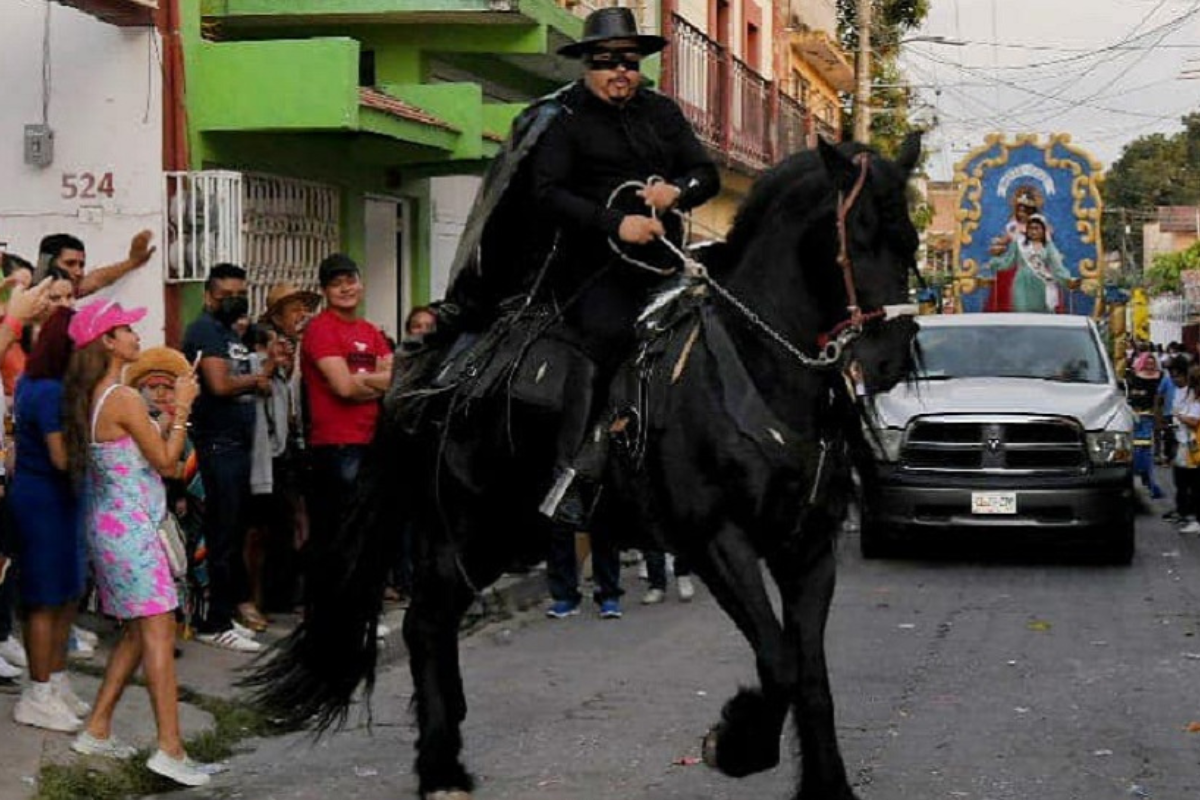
point(646, 45)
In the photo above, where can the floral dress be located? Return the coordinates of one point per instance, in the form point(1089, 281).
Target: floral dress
point(126, 502)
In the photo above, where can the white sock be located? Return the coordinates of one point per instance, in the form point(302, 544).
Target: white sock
point(59, 680)
point(41, 691)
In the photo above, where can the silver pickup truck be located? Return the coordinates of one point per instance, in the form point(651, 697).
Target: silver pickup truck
point(1017, 428)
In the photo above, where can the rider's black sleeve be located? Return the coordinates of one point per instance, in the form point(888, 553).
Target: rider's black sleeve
point(695, 173)
point(554, 173)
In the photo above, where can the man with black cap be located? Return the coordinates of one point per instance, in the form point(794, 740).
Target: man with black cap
point(346, 366)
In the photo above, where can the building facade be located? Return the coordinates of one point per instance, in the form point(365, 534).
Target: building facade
point(82, 134)
point(271, 134)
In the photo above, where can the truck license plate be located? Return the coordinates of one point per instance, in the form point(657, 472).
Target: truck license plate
point(993, 502)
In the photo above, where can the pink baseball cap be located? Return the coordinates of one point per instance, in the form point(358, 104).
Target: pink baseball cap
point(94, 319)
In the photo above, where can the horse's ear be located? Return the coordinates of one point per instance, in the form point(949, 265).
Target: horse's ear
point(910, 152)
point(841, 170)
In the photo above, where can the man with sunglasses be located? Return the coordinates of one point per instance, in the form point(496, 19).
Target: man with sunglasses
point(543, 226)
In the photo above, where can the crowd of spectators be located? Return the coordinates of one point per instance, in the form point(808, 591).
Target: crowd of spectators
point(171, 491)
point(1163, 389)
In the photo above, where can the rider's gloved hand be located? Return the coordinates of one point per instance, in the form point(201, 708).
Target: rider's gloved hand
point(637, 229)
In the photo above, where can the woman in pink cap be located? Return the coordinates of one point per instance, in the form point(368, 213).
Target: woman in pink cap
point(120, 454)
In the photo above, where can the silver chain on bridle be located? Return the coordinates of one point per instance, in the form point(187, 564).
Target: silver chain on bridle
point(830, 355)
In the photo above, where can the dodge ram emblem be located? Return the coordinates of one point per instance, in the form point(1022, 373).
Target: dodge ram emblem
point(993, 444)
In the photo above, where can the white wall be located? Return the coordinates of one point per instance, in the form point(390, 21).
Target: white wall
point(451, 198)
point(106, 111)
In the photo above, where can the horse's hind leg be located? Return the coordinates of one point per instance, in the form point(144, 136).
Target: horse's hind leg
point(747, 738)
point(806, 581)
point(440, 598)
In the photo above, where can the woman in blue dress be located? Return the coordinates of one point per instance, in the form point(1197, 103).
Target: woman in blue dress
point(46, 515)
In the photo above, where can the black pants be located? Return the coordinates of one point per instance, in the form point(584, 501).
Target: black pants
point(656, 568)
point(225, 470)
point(562, 571)
point(1187, 491)
point(333, 471)
point(276, 515)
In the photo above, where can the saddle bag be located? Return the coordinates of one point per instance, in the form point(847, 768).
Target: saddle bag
point(527, 356)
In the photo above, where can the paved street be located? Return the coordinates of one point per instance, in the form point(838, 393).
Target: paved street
point(954, 679)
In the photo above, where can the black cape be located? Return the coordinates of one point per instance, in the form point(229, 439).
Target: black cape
point(504, 246)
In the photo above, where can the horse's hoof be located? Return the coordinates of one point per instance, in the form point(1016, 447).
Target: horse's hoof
point(453, 794)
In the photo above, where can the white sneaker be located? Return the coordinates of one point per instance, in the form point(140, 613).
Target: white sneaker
point(84, 635)
point(687, 590)
point(112, 747)
point(229, 640)
point(181, 770)
point(40, 707)
point(1191, 527)
point(653, 597)
point(62, 687)
point(242, 631)
point(12, 651)
point(79, 649)
point(8, 671)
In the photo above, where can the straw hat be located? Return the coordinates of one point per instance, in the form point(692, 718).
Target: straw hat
point(283, 292)
point(157, 359)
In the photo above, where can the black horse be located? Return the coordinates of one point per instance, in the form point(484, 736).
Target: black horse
point(740, 454)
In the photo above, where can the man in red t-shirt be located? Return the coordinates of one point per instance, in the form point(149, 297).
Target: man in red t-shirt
point(346, 366)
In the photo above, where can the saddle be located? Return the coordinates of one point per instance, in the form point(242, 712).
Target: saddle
point(527, 355)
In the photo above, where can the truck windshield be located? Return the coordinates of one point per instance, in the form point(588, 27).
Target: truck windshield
point(1010, 351)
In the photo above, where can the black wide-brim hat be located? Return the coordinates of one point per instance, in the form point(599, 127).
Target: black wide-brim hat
point(605, 24)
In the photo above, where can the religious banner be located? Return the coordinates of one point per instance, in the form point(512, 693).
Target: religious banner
point(1029, 227)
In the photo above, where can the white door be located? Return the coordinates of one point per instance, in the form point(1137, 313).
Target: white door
point(384, 264)
point(451, 198)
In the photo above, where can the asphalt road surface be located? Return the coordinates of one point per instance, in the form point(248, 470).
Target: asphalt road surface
point(955, 677)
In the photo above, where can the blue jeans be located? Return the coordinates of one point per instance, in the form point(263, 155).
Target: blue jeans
point(333, 472)
point(225, 471)
point(562, 571)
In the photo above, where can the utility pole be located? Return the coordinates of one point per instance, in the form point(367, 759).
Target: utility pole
point(862, 95)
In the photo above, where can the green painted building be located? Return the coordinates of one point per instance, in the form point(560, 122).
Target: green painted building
point(353, 125)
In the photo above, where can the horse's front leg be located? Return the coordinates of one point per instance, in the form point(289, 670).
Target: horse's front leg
point(440, 598)
point(806, 581)
point(747, 738)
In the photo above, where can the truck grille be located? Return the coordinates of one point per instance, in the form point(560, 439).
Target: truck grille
point(1023, 445)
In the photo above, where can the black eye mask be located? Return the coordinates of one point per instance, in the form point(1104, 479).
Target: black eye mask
point(611, 59)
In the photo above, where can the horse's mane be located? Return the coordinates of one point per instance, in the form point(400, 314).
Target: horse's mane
point(801, 176)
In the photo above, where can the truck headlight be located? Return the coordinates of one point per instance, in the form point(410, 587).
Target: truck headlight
point(1110, 447)
point(886, 443)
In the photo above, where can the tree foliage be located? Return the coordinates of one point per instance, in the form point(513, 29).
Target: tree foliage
point(1164, 274)
point(890, 97)
point(1154, 170)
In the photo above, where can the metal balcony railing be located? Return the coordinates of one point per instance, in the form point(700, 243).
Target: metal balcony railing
point(792, 133)
point(745, 120)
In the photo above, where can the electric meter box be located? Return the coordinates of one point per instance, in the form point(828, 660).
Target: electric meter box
point(39, 145)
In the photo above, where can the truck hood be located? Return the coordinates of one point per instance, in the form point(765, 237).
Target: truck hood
point(1095, 406)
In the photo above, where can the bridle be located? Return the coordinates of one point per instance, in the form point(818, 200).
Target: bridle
point(844, 204)
point(832, 344)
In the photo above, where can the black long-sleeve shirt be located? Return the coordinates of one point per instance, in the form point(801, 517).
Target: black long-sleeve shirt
point(594, 146)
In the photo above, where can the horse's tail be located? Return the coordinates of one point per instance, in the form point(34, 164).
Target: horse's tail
point(311, 676)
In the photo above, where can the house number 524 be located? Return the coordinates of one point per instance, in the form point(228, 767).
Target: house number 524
point(86, 185)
